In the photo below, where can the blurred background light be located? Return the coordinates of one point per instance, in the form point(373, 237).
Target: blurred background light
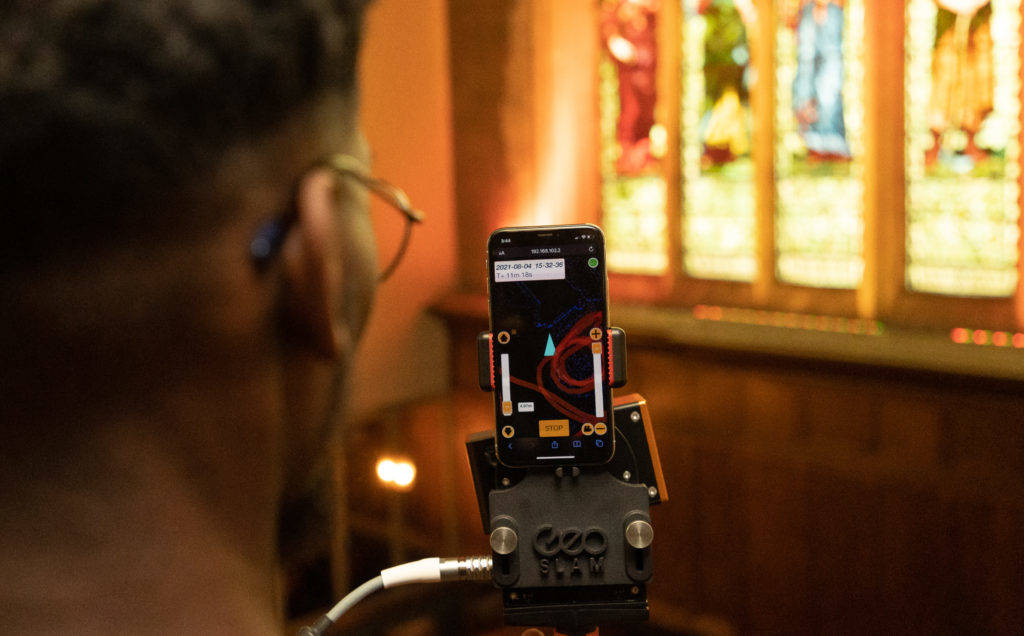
point(396, 473)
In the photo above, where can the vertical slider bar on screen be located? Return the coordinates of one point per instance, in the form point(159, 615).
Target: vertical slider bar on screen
point(598, 382)
point(505, 385)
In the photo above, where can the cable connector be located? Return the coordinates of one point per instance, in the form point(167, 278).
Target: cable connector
point(467, 569)
point(432, 570)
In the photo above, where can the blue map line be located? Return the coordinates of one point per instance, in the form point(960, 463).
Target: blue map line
point(582, 303)
point(527, 289)
point(564, 314)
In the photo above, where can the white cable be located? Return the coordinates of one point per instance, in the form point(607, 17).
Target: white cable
point(422, 571)
point(429, 570)
point(353, 597)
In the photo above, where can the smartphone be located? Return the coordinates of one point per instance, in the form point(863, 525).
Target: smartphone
point(548, 297)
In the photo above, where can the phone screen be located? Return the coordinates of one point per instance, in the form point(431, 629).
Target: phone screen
point(549, 333)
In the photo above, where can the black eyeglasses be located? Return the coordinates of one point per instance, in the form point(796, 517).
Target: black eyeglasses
point(270, 236)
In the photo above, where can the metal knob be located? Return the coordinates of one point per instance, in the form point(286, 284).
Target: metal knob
point(504, 540)
point(639, 534)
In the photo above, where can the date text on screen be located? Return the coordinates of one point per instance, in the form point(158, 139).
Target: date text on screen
point(536, 269)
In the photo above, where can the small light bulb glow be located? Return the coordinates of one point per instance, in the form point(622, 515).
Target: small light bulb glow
point(982, 337)
point(386, 470)
point(404, 474)
point(396, 473)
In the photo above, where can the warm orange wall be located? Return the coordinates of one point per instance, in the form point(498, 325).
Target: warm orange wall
point(525, 111)
point(406, 110)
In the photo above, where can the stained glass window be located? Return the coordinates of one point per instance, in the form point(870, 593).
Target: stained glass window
point(718, 186)
point(819, 149)
point(633, 187)
point(963, 119)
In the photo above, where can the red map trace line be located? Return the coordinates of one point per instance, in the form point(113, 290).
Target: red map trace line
point(576, 339)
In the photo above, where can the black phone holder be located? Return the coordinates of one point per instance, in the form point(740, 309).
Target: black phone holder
point(572, 544)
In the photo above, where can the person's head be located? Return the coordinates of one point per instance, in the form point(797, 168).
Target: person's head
point(142, 144)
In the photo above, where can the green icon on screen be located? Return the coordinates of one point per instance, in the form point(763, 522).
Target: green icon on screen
point(592, 262)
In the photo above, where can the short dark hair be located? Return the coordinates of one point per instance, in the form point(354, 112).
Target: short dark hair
point(106, 104)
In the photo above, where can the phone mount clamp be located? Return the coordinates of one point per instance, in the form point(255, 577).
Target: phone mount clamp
point(571, 545)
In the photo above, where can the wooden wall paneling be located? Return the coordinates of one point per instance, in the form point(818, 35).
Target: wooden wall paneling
point(913, 568)
point(910, 428)
point(845, 531)
point(984, 441)
point(428, 434)
point(813, 300)
point(676, 576)
point(453, 498)
point(719, 407)
point(365, 492)
point(780, 596)
point(720, 505)
point(773, 414)
point(840, 415)
point(696, 291)
point(670, 388)
point(473, 411)
point(399, 539)
point(1006, 604)
point(971, 528)
point(914, 309)
point(340, 530)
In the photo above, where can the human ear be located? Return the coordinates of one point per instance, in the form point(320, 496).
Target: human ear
point(313, 270)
